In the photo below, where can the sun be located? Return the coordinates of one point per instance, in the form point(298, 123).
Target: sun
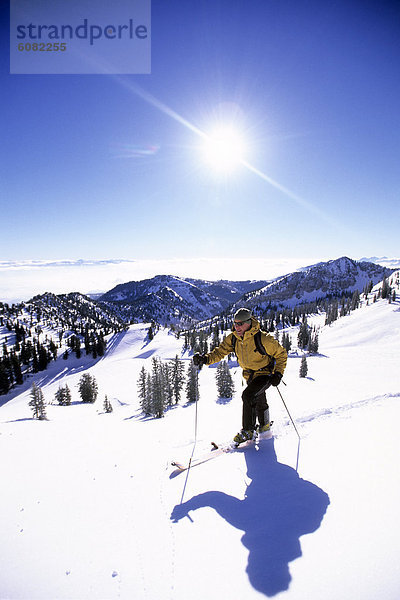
point(224, 149)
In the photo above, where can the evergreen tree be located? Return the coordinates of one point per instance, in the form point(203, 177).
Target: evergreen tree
point(53, 349)
point(37, 403)
point(386, 291)
point(303, 335)
point(107, 405)
point(286, 342)
point(16, 367)
point(35, 362)
point(368, 288)
point(88, 389)
point(157, 389)
point(67, 395)
point(75, 345)
point(101, 345)
point(4, 378)
point(192, 383)
point(178, 378)
point(215, 338)
point(144, 392)
point(9, 370)
point(355, 300)
point(88, 346)
point(63, 396)
point(185, 341)
point(332, 313)
point(225, 385)
point(26, 353)
point(43, 358)
point(303, 367)
point(149, 394)
point(166, 376)
point(192, 339)
point(343, 307)
point(313, 343)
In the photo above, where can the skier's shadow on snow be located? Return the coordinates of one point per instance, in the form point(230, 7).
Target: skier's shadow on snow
point(278, 508)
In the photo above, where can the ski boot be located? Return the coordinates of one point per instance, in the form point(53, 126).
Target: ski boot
point(242, 436)
point(264, 431)
point(264, 428)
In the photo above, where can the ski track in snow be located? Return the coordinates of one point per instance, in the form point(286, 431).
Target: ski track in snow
point(345, 408)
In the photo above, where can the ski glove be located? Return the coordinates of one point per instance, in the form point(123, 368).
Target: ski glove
point(199, 359)
point(275, 378)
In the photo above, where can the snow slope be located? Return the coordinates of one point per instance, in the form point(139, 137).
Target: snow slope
point(89, 508)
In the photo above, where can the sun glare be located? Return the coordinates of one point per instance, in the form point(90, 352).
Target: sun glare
point(224, 149)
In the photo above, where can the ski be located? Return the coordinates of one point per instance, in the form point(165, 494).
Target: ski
point(218, 450)
point(194, 462)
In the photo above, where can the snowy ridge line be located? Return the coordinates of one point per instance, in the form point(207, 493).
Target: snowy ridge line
point(337, 411)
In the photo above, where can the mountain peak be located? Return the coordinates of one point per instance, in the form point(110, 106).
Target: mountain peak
point(332, 278)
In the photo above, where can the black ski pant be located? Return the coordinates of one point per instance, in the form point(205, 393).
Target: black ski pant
point(255, 403)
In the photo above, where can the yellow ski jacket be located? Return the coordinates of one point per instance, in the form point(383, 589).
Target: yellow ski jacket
point(249, 358)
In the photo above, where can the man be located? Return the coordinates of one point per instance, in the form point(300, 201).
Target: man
point(262, 366)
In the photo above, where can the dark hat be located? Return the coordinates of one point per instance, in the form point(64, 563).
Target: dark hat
point(243, 314)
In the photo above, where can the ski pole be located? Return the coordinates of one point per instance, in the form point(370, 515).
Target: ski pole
point(197, 370)
point(195, 433)
point(290, 416)
point(195, 412)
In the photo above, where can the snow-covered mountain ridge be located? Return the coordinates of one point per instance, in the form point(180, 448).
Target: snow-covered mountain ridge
point(62, 324)
point(174, 300)
point(330, 279)
point(170, 299)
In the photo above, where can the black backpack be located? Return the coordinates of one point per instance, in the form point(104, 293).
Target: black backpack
point(258, 348)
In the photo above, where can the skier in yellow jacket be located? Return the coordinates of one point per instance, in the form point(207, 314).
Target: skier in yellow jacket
point(263, 365)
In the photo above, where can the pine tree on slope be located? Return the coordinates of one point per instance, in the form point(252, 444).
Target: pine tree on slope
point(303, 367)
point(88, 389)
point(225, 385)
point(37, 403)
point(107, 405)
point(192, 384)
point(63, 396)
point(157, 389)
point(143, 392)
point(178, 378)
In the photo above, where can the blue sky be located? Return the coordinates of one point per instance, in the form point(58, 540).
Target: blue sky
point(315, 89)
